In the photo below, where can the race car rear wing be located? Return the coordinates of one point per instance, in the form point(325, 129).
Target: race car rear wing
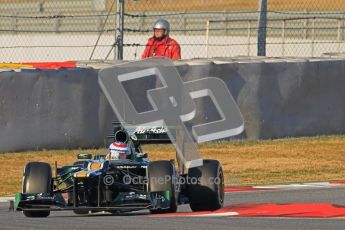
point(146, 135)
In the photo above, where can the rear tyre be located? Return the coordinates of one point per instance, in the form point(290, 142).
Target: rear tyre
point(37, 179)
point(36, 213)
point(163, 169)
point(208, 193)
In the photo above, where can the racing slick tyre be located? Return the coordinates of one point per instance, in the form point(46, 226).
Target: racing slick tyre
point(206, 186)
point(37, 179)
point(166, 171)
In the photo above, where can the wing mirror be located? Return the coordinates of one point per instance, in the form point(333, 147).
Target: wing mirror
point(141, 155)
point(84, 156)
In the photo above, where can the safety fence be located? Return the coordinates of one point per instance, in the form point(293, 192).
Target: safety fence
point(36, 30)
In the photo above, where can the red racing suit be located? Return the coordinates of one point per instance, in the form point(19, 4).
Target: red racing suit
point(167, 47)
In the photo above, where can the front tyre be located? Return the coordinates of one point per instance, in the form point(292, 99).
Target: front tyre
point(37, 179)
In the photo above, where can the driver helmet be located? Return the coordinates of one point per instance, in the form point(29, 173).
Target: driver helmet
point(118, 151)
point(162, 24)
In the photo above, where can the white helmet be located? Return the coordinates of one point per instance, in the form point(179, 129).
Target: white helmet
point(162, 24)
point(118, 150)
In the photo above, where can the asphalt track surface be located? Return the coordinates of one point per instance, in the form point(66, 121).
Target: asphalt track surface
point(141, 220)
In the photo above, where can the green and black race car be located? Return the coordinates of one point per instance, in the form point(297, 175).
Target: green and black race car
point(98, 184)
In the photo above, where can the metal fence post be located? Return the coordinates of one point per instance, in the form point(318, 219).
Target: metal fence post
point(283, 37)
point(248, 38)
point(225, 18)
point(306, 25)
point(184, 22)
point(262, 28)
point(339, 34)
point(207, 36)
point(313, 38)
point(119, 29)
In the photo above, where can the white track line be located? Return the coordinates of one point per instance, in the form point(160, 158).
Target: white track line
point(6, 199)
point(268, 188)
point(218, 214)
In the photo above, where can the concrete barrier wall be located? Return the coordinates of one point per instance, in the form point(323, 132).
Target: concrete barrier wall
point(52, 109)
point(278, 98)
point(285, 99)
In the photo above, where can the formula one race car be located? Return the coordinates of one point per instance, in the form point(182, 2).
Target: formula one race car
point(98, 184)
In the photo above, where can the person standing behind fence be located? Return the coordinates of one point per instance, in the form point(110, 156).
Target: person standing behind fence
point(161, 44)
